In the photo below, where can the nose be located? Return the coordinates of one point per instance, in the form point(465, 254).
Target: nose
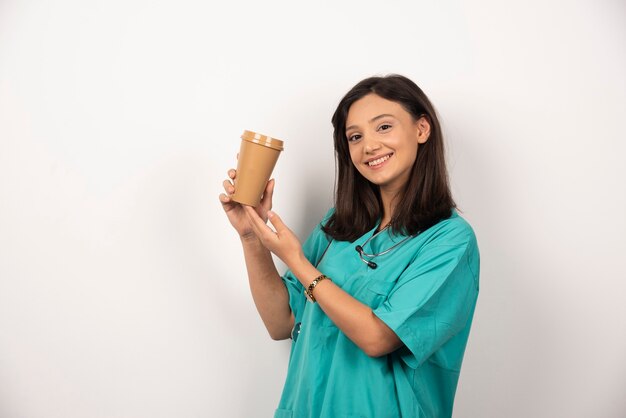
point(370, 144)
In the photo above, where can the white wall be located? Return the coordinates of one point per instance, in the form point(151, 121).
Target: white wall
point(122, 287)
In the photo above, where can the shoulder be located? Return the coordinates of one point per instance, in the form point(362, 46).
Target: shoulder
point(317, 234)
point(317, 241)
point(454, 231)
point(455, 238)
point(326, 217)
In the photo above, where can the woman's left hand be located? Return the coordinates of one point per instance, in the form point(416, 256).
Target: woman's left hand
point(282, 242)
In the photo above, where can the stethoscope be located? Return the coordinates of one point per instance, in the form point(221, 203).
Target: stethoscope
point(363, 255)
point(295, 332)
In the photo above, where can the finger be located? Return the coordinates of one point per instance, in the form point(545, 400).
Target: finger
point(232, 173)
point(253, 224)
point(253, 217)
point(224, 198)
point(260, 227)
point(277, 222)
point(228, 187)
point(266, 200)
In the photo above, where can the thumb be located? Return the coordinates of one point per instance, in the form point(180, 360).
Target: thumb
point(266, 200)
point(277, 223)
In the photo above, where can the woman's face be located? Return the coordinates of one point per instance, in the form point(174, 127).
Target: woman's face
point(383, 140)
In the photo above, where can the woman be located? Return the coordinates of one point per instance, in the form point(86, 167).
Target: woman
point(379, 300)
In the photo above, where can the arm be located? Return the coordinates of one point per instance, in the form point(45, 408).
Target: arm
point(354, 318)
point(268, 290)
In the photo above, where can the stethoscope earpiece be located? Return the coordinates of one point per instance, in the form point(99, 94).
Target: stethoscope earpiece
point(369, 263)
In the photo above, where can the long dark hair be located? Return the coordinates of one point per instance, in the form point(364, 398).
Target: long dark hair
point(426, 198)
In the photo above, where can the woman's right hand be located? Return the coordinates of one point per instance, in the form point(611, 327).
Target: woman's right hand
point(235, 211)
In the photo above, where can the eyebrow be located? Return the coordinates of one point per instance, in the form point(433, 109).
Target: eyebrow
point(374, 119)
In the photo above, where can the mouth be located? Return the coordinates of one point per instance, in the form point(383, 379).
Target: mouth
point(378, 161)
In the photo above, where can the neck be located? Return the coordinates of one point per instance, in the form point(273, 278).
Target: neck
point(389, 200)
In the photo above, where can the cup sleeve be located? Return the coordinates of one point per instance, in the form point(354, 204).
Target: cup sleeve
point(433, 300)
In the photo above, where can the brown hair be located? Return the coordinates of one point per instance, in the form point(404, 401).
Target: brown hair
point(426, 198)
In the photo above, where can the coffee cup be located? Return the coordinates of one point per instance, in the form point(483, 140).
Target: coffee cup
point(257, 158)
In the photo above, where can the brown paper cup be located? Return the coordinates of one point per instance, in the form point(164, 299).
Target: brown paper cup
point(257, 157)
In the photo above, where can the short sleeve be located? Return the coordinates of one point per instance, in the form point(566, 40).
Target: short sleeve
point(434, 298)
point(313, 248)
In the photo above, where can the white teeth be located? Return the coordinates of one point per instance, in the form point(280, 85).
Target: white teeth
point(379, 161)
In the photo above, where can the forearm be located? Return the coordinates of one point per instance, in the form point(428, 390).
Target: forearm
point(268, 290)
point(353, 318)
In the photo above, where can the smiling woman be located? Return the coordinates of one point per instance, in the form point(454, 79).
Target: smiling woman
point(382, 114)
point(382, 293)
point(383, 148)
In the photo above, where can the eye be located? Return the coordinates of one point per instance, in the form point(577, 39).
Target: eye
point(384, 127)
point(354, 137)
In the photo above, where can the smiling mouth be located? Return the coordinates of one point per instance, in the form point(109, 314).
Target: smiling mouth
point(379, 161)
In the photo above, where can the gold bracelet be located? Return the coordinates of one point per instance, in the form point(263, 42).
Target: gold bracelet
point(309, 291)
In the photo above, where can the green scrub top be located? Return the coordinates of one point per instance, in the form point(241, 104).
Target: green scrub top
point(425, 290)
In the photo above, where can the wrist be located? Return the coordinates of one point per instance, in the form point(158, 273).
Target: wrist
point(305, 272)
point(249, 238)
point(308, 291)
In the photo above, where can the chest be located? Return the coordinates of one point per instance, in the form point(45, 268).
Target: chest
point(349, 270)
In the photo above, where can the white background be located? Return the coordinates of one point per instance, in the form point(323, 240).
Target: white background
point(122, 286)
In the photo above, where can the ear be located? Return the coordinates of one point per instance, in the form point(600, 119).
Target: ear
point(423, 129)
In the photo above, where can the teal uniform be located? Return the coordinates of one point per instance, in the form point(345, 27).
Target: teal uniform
point(425, 290)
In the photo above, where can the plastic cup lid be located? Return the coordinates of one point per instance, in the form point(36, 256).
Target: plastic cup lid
point(261, 139)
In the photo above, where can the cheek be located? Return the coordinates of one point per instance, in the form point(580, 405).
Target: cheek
point(354, 156)
point(414, 152)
